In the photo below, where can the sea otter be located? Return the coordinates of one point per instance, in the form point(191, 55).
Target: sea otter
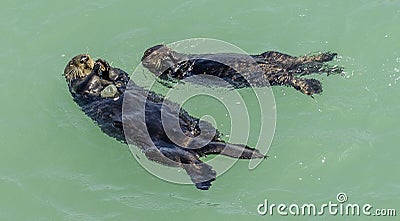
point(86, 79)
point(238, 69)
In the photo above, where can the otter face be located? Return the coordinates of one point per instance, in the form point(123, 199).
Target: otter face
point(159, 58)
point(78, 67)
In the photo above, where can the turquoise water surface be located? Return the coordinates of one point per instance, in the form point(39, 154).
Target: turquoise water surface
point(56, 164)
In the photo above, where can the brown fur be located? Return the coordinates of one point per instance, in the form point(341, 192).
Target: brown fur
point(78, 67)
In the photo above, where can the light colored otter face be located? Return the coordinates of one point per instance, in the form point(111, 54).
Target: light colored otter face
point(78, 67)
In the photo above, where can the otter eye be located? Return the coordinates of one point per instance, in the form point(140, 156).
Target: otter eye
point(84, 59)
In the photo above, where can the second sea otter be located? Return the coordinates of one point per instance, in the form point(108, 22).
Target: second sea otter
point(241, 70)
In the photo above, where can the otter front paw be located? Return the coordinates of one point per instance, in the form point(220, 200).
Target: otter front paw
point(97, 69)
point(104, 64)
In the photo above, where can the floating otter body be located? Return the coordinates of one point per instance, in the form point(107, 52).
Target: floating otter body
point(87, 79)
point(239, 69)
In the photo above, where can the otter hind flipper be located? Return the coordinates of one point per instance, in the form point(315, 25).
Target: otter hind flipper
point(323, 57)
point(316, 64)
point(200, 173)
point(232, 150)
point(307, 86)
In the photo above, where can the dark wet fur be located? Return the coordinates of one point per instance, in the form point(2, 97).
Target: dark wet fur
point(107, 113)
point(269, 68)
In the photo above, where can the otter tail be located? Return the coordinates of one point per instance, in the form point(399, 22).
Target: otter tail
point(232, 150)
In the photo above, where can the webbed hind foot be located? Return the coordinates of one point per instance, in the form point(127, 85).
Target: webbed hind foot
point(316, 68)
point(307, 86)
point(200, 173)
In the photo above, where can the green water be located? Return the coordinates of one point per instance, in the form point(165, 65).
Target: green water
point(55, 163)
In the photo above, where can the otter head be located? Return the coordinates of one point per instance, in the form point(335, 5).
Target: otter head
point(78, 67)
point(159, 58)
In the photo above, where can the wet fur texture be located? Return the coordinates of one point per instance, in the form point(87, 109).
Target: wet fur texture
point(241, 70)
point(148, 134)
